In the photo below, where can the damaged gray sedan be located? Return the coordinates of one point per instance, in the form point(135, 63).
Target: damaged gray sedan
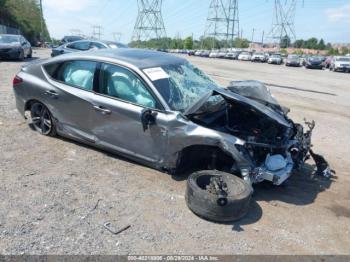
point(163, 112)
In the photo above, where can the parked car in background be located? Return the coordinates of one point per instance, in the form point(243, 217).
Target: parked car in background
point(14, 47)
point(259, 57)
point(85, 45)
point(293, 60)
point(214, 54)
point(314, 62)
point(70, 38)
point(232, 55)
point(340, 63)
point(222, 54)
point(205, 53)
point(245, 56)
point(275, 59)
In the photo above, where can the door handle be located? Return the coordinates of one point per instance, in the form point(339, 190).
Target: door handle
point(51, 93)
point(104, 111)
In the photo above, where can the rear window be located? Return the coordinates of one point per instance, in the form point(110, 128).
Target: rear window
point(50, 69)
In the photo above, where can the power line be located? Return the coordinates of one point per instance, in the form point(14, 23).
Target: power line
point(149, 23)
point(223, 21)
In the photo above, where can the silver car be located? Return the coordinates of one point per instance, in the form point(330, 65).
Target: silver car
point(163, 112)
point(14, 47)
point(85, 45)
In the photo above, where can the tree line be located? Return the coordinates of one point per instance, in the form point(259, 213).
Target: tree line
point(26, 16)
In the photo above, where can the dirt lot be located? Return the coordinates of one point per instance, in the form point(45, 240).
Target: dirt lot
point(55, 195)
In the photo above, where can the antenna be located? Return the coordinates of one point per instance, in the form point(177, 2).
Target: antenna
point(223, 21)
point(283, 20)
point(149, 22)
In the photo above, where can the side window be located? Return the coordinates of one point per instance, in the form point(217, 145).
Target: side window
point(77, 73)
point(83, 46)
point(97, 45)
point(121, 83)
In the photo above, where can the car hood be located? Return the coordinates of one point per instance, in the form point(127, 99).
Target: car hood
point(230, 95)
point(3, 46)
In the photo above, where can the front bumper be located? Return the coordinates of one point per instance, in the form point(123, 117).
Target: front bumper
point(10, 54)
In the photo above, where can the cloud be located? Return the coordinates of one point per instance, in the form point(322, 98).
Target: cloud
point(339, 14)
point(67, 5)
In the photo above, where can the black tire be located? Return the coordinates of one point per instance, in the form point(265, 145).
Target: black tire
point(209, 206)
point(21, 55)
point(42, 120)
point(30, 54)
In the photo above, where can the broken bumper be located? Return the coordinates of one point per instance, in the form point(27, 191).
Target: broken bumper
point(277, 176)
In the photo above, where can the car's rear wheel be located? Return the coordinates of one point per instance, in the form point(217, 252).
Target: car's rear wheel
point(218, 196)
point(42, 119)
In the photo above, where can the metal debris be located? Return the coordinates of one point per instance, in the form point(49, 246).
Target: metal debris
point(108, 226)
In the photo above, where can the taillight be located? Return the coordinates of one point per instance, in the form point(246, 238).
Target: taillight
point(17, 80)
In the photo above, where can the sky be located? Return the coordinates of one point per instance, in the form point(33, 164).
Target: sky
point(327, 19)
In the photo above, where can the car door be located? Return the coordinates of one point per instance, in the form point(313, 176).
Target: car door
point(123, 100)
point(71, 95)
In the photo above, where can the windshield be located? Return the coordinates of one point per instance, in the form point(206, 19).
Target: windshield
point(276, 56)
point(181, 85)
point(9, 39)
point(343, 59)
point(117, 45)
point(245, 53)
point(293, 57)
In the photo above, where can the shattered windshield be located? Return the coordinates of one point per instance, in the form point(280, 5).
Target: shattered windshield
point(181, 85)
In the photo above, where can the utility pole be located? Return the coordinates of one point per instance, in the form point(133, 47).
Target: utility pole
point(262, 38)
point(41, 21)
point(96, 32)
point(149, 23)
point(223, 21)
point(251, 42)
point(283, 20)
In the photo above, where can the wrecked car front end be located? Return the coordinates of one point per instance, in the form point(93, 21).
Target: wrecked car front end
point(270, 142)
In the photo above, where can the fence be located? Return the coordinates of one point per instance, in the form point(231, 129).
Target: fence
point(9, 30)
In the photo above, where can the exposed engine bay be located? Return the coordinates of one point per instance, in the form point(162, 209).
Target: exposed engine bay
point(274, 144)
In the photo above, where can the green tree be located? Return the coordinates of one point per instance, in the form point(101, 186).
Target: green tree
point(188, 43)
point(241, 43)
point(285, 41)
point(299, 43)
point(25, 15)
point(321, 45)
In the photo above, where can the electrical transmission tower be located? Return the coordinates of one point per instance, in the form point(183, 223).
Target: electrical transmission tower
point(223, 21)
point(96, 32)
point(149, 22)
point(117, 36)
point(283, 20)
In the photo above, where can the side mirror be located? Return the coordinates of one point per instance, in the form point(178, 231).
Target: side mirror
point(148, 118)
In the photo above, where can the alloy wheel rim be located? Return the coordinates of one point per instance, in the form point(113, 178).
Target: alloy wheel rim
point(41, 119)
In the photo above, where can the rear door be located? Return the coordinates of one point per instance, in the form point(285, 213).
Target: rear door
point(117, 122)
point(71, 95)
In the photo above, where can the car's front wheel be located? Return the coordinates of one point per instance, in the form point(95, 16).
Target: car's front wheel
point(30, 54)
point(42, 119)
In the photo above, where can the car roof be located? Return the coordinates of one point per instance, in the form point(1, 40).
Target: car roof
point(11, 34)
point(139, 58)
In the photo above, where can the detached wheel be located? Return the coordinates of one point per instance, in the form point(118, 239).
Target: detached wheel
point(42, 119)
point(217, 196)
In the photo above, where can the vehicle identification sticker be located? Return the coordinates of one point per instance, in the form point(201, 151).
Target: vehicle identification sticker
point(156, 73)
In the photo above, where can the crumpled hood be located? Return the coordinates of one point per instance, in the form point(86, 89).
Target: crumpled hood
point(229, 95)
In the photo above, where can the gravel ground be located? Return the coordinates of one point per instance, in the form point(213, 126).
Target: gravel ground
point(55, 195)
